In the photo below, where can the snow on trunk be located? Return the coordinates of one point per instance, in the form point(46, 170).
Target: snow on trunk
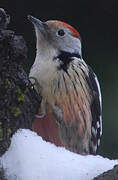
point(30, 157)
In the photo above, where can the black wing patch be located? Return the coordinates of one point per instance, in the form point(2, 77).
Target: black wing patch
point(96, 110)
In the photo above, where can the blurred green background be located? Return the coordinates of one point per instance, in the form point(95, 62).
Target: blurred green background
point(97, 22)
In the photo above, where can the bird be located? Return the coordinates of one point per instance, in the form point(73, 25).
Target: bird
point(70, 114)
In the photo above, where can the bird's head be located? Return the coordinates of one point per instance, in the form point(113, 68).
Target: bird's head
point(56, 35)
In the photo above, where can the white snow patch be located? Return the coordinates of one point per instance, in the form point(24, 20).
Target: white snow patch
point(31, 158)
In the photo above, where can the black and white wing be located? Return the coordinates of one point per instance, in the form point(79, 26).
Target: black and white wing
point(96, 110)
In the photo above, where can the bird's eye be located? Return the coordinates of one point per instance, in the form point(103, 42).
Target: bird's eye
point(61, 32)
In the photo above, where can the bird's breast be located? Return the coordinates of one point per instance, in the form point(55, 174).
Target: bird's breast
point(68, 97)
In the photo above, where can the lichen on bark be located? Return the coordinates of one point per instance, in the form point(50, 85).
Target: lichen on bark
point(19, 101)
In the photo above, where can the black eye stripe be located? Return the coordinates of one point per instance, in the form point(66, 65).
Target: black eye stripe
point(61, 32)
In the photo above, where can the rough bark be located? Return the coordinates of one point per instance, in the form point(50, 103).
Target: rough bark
point(19, 102)
point(109, 175)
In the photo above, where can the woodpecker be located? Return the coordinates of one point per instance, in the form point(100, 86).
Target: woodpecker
point(71, 112)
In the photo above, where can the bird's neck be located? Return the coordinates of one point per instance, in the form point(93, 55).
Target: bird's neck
point(45, 53)
point(50, 61)
point(44, 66)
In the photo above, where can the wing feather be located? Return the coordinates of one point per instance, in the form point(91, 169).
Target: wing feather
point(80, 102)
point(73, 100)
point(96, 108)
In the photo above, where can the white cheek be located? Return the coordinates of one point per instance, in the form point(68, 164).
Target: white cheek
point(72, 45)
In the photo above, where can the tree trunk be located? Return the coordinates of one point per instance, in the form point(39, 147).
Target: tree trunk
point(19, 102)
point(109, 175)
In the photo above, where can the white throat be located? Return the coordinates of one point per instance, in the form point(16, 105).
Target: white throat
point(44, 66)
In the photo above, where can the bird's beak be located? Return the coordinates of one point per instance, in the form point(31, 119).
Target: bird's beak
point(35, 21)
point(42, 26)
